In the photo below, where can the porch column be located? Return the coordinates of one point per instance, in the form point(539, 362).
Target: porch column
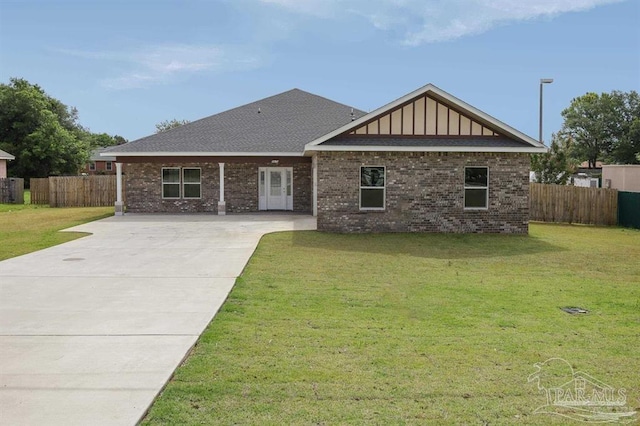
point(221, 203)
point(119, 208)
point(314, 172)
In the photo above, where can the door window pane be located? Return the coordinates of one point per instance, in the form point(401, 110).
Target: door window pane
point(275, 184)
point(261, 185)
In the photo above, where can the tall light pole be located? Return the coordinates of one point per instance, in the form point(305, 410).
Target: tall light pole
point(542, 82)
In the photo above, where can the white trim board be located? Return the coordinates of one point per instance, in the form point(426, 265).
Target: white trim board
point(360, 148)
point(203, 154)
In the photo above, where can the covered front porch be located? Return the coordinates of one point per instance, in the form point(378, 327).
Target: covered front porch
point(218, 185)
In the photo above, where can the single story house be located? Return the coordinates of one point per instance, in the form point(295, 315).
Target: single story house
point(4, 158)
point(100, 165)
point(426, 162)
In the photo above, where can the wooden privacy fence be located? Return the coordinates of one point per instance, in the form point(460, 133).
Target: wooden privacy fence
point(74, 191)
point(39, 190)
point(12, 190)
point(572, 204)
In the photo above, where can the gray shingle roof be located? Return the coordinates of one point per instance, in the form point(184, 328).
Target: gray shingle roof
point(281, 123)
point(95, 155)
point(471, 141)
point(6, 156)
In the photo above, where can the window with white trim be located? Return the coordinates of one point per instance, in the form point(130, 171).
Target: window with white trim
point(92, 166)
point(191, 182)
point(476, 188)
point(372, 188)
point(171, 182)
point(108, 166)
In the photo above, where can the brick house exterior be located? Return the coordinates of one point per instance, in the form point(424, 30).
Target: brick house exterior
point(143, 185)
point(100, 165)
point(434, 201)
point(426, 162)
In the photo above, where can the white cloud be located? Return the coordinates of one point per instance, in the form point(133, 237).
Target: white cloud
point(430, 21)
point(161, 64)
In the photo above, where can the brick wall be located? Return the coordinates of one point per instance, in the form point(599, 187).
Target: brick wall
point(424, 193)
point(144, 187)
point(302, 188)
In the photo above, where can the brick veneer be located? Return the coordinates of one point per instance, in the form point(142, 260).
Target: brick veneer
point(144, 187)
point(424, 193)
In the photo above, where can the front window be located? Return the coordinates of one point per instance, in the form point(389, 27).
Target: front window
point(92, 166)
point(171, 182)
point(108, 166)
point(476, 187)
point(191, 182)
point(372, 188)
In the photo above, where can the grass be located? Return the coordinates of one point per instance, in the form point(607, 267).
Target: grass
point(27, 227)
point(412, 329)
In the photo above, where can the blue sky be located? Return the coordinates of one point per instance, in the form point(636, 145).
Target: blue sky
point(127, 65)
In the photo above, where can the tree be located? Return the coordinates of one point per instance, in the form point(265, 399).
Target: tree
point(40, 131)
point(119, 140)
point(100, 140)
point(554, 166)
point(626, 145)
point(588, 121)
point(605, 127)
point(165, 125)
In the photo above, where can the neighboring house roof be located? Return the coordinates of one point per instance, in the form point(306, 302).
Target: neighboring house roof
point(95, 155)
point(6, 156)
point(282, 124)
point(506, 138)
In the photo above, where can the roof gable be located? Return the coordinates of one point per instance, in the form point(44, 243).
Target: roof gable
point(428, 119)
point(424, 115)
point(6, 156)
point(280, 124)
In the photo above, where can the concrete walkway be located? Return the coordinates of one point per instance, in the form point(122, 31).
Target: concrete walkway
point(91, 330)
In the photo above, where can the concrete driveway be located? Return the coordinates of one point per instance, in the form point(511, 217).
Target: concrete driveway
point(91, 330)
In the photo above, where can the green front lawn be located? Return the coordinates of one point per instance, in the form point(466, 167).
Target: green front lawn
point(412, 329)
point(25, 228)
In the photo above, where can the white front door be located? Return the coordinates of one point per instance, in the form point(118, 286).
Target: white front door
point(275, 188)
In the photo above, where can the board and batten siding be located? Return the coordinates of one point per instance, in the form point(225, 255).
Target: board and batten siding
point(424, 116)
